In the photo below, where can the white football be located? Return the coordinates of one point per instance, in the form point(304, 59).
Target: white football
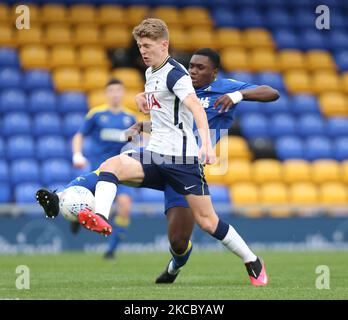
point(73, 199)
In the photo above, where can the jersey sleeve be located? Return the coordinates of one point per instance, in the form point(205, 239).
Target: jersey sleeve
point(234, 85)
point(87, 125)
point(180, 84)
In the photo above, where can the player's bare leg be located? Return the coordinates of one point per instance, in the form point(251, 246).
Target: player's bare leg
point(206, 218)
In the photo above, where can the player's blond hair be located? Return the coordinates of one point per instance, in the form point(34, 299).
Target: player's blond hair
point(151, 28)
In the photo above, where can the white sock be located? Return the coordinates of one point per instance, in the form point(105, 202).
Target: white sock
point(105, 193)
point(234, 242)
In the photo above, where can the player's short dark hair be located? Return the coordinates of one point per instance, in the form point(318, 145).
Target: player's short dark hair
point(211, 54)
point(114, 81)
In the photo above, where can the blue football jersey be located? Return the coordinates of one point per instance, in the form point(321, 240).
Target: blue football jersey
point(208, 95)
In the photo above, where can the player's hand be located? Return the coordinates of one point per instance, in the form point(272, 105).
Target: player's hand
point(226, 103)
point(133, 131)
point(140, 100)
point(79, 161)
point(207, 154)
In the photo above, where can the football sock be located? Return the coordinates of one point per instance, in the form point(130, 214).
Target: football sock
point(118, 233)
point(233, 241)
point(105, 192)
point(179, 260)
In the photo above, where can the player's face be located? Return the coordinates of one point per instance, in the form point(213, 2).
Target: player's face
point(153, 52)
point(114, 94)
point(202, 71)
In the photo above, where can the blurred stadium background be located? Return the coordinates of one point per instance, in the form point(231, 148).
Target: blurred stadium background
point(287, 179)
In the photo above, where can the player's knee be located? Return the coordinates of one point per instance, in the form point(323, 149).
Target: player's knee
point(207, 226)
point(112, 165)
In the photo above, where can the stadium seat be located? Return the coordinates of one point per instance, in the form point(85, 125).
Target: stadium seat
point(34, 56)
point(282, 124)
point(317, 147)
point(273, 194)
point(319, 60)
point(250, 18)
point(291, 59)
point(340, 148)
point(286, 39)
point(238, 170)
point(72, 122)
point(298, 81)
point(266, 170)
point(25, 192)
point(303, 103)
point(333, 104)
point(254, 125)
point(20, 146)
point(195, 17)
point(235, 59)
point(312, 39)
point(257, 38)
point(341, 60)
point(97, 97)
point(237, 148)
point(13, 100)
point(72, 102)
point(46, 123)
point(10, 78)
point(95, 78)
point(219, 194)
point(324, 81)
point(337, 127)
point(169, 14)
point(131, 78)
point(67, 79)
point(289, 147)
point(33, 8)
point(81, 13)
point(128, 101)
point(16, 123)
point(4, 13)
point(31, 36)
point(8, 57)
point(37, 79)
point(228, 37)
point(214, 174)
point(52, 146)
point(296, 171)
point(58, 34)
point(52, 12)
point(7, 35)
point(201, 38)
point(333, 193)
point(301, 17)
point(272, 79)
point(225, 18)
point(344, 82)
point(136, 13)
point(151, 196)
point(115, 36)
point(303, 193)
point(2, 147)
point(63, 56)
point(4, 171)
point(244, 193)
point(325, 171)
point(243, 76)
point(344, 171)
point(42, 100)
point(263, 60)
point(86, 34)
point(6, 193)
point(337, 40)
point(111, 14)
point(277, 18)
point(311, 124)
point(262, 148)
point(92, 56)
point(280, 105)
point(247, 107)
point(55, 171)
point(24, 170)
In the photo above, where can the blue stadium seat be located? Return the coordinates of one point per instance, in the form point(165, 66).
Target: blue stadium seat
point(303, 18)
point(338, 40)
point(272, 79)
point(4, 171)
point(341, 59)
point(72, 102)
point(276, 18)
point(87, 147)
point(58, 187)
point(254, 125)
point(8, 57)
point(55, 171)
point(250, 18)
point(24, 170)
point(289, 147)
point(279, 106)
point(10, 78)
point(246, 107)
point(219, 193)
point(47, 123)
point(72, 122)
point(37, 79)
point(225, 18)
point(304, 103)
point(340, 148)
point(337, 20)
point(150, 195)
point(2, 147)
point(25, 192)
point(310, 125)
point(337, 127)
point(318, 147)
point(16, 123)
point(49, 147)
point(13, 100)
point(20, 146)
point(286, 39)
point(312, 39)
point(42, 100)
point(282, 124)
point(242, 76)
point(6, 193)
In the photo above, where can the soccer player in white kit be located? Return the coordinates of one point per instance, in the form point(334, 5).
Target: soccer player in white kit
point(172, 155)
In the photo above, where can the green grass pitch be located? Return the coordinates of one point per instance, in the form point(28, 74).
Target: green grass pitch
point(208, 275)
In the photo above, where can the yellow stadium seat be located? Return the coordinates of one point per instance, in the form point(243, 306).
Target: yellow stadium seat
point(344, 82)
point(34, 56)
point(226, 37)
point(114, 36)
point(128, 101)
point(201, 38)
point(67, 79)
point(7, 35)
point(195, 17)
point(63, 56)
point(170, 15)
point(92, 56)
point(51, 13)
point(275, 195)
point(86, 34)
point(238, 170)
point(135, 14)
point(235, 60)
point(325, 171)
point(4, 13)
point(179, 39)
point(31, 36)
point(33, 9)
point(344, 172)
point(291, 59)
point(333, 193)
point(263, 60)
point(319, 60)
point(82, 13)
point(131, 78)
point(95, 78)
point(298, 81)
point(244, 193)
point(96, 98)
point(237, 148)
point(303, 193)
point(257, 37)
point(266, 170)
point(296, 171)
point(111, 14)
point(323, 81)
point(58, 33)
point(333, 104)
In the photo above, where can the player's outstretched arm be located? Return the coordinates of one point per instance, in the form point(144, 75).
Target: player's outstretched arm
point(206, 153)
point(79, 160)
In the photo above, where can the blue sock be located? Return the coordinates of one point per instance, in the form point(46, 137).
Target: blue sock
point(221, 230)
point(118, 234)
point(179, 260)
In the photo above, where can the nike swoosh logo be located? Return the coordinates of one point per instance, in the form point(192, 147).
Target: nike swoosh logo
point(186, 188)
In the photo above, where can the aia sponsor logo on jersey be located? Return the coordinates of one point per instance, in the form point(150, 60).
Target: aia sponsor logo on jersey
point(152, 102)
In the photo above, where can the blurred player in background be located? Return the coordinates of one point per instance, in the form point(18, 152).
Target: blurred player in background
point(106, 125)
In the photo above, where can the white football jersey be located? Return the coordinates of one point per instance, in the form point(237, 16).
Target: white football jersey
point(171, 121)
